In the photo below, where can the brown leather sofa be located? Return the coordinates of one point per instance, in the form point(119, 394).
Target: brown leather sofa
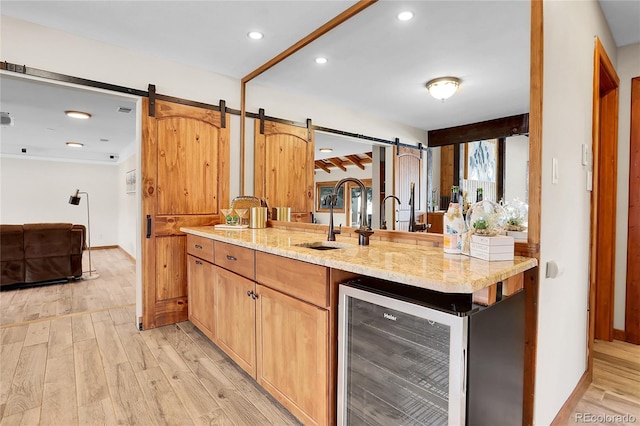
point(40, 253)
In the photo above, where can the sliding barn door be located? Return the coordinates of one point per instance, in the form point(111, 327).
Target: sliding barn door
point(407, 168)
point(185, 182)
point(284, 167)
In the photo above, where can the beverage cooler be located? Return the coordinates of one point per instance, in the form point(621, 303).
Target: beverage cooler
point(410, 356)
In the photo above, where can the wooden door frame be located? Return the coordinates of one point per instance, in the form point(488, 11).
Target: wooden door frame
point(632, 310)
point(603, 199)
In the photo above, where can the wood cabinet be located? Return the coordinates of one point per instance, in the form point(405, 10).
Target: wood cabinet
point(274, 317)
point(236, 259)
point(436, 219)
point(201, 285)
point(293, 357)
point(236, 318)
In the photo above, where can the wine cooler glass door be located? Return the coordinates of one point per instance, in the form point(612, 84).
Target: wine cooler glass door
point(399, 363)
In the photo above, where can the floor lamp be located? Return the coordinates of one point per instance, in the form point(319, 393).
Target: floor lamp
point(75, 200)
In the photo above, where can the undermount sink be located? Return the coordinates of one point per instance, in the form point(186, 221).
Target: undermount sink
point(323, 245)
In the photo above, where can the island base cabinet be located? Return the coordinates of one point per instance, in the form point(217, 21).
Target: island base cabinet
point(235, 310)
point(201, 285)
point(293, 354)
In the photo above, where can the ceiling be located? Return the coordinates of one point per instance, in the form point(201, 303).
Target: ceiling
point(377, 65)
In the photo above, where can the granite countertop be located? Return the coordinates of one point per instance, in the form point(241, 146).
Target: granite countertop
point(420, 266)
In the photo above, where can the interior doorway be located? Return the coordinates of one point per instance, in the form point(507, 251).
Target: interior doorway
point(603, 199)
point(43, 177)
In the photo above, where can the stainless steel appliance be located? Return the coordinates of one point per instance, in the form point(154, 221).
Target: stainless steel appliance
point(409, 356)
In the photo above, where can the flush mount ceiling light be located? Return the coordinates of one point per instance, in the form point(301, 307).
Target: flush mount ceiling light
point(326, 150)
point(405, 16)
point(321, 60)
point(75, 144)
point(255, 35)
point(78, 114)
point(443, 88)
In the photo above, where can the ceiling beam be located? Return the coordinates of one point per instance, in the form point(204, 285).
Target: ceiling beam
point(490, 129)
point(355, 160)
point(321, 165)
point(338, 163)
point(369, 154)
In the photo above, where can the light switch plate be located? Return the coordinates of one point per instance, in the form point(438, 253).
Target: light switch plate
point(554, 171)
point(585, 154)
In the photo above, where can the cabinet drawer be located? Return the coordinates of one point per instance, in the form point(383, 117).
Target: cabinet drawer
point(200, 247)
point(237, 259)
point(302, 280)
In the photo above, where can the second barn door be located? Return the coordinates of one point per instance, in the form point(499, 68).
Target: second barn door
point(284, 168)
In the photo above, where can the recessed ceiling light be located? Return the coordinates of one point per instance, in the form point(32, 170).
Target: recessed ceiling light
point(75, 144)
point(405, 16)
point(326, 150)
point(255, 35)
point(321, 60)
point(78, 114)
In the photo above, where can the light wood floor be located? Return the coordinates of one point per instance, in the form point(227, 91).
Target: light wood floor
point(71, 359)
point(615, 389)
point(114, 287)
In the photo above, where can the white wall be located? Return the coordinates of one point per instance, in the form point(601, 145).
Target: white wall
point(35, 191)
point(336, 175)
point(628, 67)
point(516, 173)
point(128, 207)
point(569, 29)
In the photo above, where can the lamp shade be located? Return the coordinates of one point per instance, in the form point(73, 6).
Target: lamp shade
point(75, 199)
point(443, 88)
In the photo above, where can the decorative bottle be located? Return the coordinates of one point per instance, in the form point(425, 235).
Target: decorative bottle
point(454, 225)
point(478, 195)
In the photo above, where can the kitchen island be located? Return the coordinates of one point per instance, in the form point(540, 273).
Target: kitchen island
point(419, 266)
point(269, 299)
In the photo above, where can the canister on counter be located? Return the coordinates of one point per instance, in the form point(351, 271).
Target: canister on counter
point(258, 217)
point(282, 214)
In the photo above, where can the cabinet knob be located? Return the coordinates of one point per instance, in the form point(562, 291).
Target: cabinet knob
point(229, 257)
point(199, 247)
point(198, 262)
point(249, 293)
